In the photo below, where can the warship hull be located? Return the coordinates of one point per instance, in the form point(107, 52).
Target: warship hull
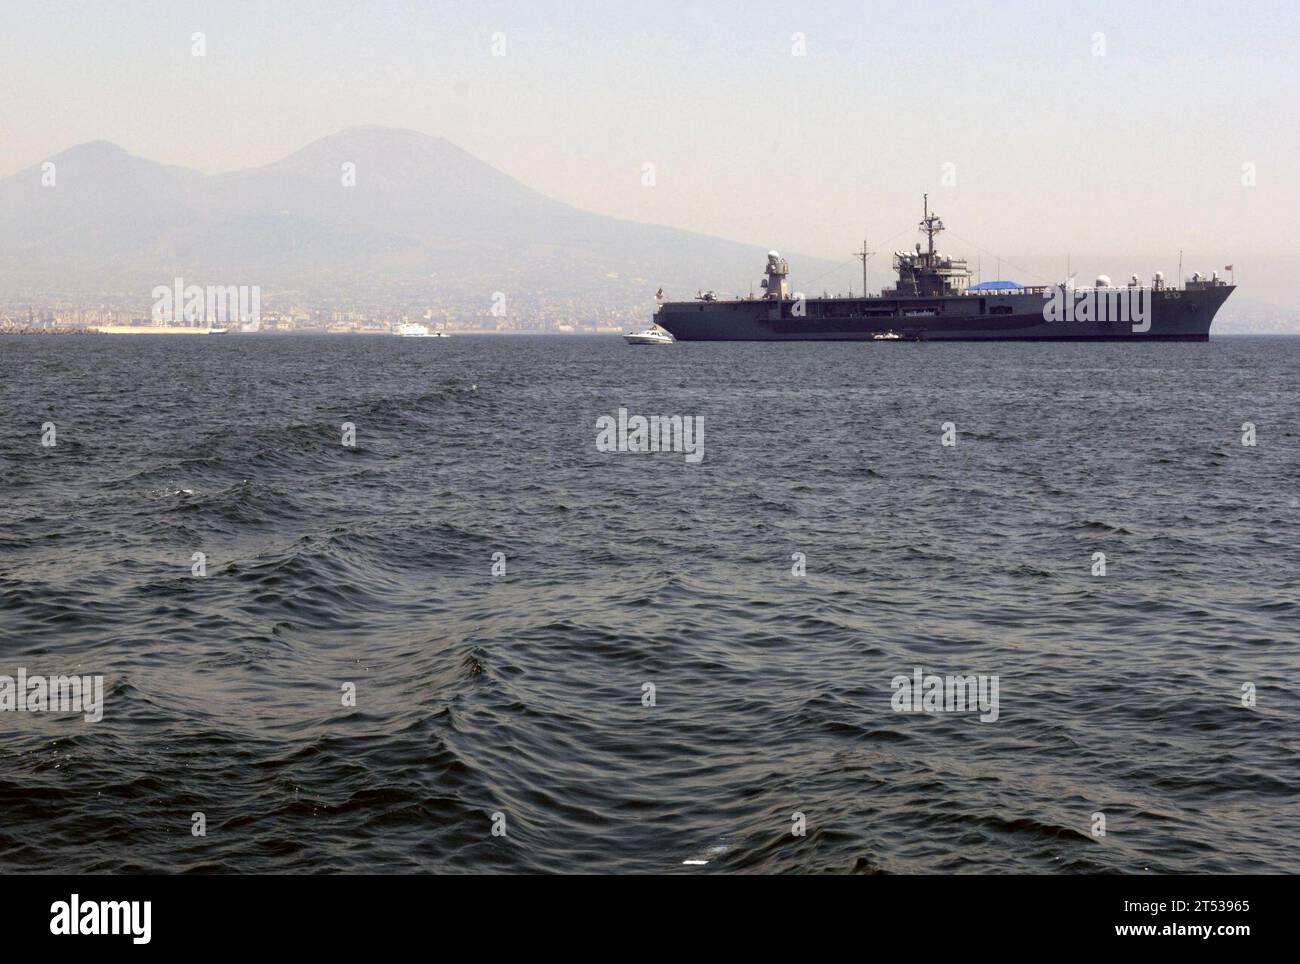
point(1174, 315)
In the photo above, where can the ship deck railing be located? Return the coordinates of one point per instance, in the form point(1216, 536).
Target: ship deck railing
point(1022, 290)
point(890, 294)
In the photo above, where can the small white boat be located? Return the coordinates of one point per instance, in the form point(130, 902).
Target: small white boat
point(887, 336)
point(654, 335)
point(217, 331)
point(412, 330)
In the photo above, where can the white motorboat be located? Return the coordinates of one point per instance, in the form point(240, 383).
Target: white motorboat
point(887, 336)
point(413, 330)
point(654, 335)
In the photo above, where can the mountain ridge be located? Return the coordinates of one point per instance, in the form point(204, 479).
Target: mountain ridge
point(414, 211)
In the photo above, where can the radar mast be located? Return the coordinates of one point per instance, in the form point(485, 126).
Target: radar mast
point(931, 225)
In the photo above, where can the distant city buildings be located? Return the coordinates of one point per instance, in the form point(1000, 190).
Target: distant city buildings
point(532, 313)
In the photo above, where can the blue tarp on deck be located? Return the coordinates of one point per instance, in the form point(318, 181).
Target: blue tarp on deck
point(994, 286)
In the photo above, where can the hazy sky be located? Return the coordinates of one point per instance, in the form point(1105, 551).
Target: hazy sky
point(1117, 159)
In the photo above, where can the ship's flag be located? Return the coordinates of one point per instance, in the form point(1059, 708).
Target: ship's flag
point(660, 294)
point(1227, 267)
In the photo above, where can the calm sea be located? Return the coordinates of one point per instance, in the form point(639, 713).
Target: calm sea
point(473, 641)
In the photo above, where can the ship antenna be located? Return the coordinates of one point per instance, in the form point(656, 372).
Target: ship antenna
point(925, 224)
point(862, 256)
point(931, 225)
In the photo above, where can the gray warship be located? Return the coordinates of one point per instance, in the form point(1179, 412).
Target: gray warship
point(934, 300)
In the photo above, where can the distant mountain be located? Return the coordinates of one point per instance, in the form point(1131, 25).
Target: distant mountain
point(1250, 316)
point(423, 215)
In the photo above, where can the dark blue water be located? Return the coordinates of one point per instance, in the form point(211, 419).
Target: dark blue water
point(522, 694)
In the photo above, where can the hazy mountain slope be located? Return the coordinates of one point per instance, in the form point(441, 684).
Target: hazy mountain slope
point(105, 209)
point(423, 214)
